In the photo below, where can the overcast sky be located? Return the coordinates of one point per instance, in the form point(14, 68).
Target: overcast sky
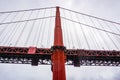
point(108, 9)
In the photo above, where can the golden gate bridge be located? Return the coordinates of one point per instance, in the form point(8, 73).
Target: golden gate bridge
point(58, 36)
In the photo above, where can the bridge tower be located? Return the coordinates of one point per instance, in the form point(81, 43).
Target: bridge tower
point(58, 56)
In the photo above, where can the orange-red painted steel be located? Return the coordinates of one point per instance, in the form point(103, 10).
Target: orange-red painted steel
point(58, 39)
point(32, 50)
point(58, 57)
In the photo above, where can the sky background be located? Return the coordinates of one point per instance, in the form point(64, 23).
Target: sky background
point(107, 9)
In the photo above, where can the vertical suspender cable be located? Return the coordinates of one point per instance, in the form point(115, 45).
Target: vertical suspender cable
point(3, 21)
point(22, 30)
point(84, 34)
point(16, 27)
point(8, 34)
point(29, 33)
point(49, 29)
point(67, 30)
point(77, 37)
point(117, 30)
point(12, 30)
point(111, 38)
point(70, 34)
point(43, 29)
point(93, 32)
point(102, 36)
point(90, 34)
point(37, 29)
point(40, 28)
point(108, 35)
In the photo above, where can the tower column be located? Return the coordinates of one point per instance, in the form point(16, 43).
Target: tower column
point(58, 56)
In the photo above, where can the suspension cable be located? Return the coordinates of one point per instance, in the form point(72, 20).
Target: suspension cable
point(43, 29)
point(93, 32)
point(29, 33)
point(49, 29)
point(91, 16)
point(23, 29)
point(78, 41)
point(83, 31)
point(27, 20)
point(12, 30)
point(91, 26)
point(111, 38)
point(26, 10)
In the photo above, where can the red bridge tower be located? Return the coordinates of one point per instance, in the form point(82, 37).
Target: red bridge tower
point(58, 56)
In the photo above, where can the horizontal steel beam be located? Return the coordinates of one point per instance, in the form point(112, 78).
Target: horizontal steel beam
point(76, 57)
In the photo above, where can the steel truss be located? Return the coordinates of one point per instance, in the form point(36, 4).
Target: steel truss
point(38, 56)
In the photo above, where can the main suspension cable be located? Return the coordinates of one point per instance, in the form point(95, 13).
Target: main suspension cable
point(26, 10)
point(27, 20)
point(91, 26)
point(91, 16)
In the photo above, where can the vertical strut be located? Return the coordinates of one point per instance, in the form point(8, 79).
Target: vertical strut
point(58, 56)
